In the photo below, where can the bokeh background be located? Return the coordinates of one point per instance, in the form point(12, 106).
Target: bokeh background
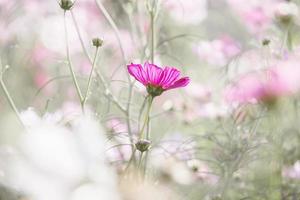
point(232, 133)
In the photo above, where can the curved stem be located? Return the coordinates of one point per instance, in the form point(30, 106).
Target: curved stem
point(90, 78)
point(117, 34)
point(80, 38)
point(70, 63)
point(108, 94)
point(114, 27)
point(10, 100)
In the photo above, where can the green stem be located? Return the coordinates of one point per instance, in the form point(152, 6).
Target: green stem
point(70, 63)
point(80, 37)
point(276, 154)
point(141, 112)
point(132, 158)
point(140, 160)
point(128, 115)
point(152, 16)
point(10, 101)
point(147, 122)
point(118, 36)
point(90, 78)
point(150, 100)
point(116, 31)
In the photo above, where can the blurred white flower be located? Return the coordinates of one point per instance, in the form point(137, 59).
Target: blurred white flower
point(57, 162)
point(212, 110)
point(187, 11)
point(286, 11)
point(174, 169)
point(202, 171)
point(52, 34)
point(218, 52)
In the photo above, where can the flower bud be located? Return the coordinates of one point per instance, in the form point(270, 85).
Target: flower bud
point(286, 12)
point(266, 42)
point(143, 145)
point(66, 4)
point(97, 42)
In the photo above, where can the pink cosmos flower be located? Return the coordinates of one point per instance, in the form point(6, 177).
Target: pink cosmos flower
point(156, 79)
point(281, 80)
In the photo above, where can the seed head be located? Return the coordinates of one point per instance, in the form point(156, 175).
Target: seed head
point(143, 145)
point(97, 42)
point(66, 4)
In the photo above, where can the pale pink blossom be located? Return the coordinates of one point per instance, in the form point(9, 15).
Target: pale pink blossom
point(286, 11)
point(218, 52)
point(187, 11)
point(292, 172)
point(255, 14)
point(280, 80)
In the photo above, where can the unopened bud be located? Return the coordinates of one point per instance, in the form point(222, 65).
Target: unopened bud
point(66, 4)
point(143, 145)
point(266, 42)
point(286, 12)
point(97, 42)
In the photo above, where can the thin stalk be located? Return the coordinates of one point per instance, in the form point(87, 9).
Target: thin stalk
point(117, 34)
point(153, 13)
point(148, 138)
point(70, 63)
point(108, 93)
point(90, 78)
point(80, 38)
point(152, 19)
point(141, 111)
point(10, 101)
point(114, 27)
point(128, 115)
point(132, 157)
point(150, 100)
point(226, 185)
point(140, 160)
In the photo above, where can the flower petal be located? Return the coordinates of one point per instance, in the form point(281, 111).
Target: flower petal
point(137, 71)
point(153, 73)
point(180, 83)
point(168, 77)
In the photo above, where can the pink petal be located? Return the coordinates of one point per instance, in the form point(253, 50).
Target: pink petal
point(180, 83)
point(168, 77)
point(153, 73)
point(137, 71)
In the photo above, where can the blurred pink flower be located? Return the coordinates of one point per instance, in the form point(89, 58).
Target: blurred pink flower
point(202, 171)
point(281, 80)
point(116, 126)
point(219, 51)
point(211, 110)
point(292, 172)
point(40, 79)
point(156, 79)
point(40, 55)
point(256, 15)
